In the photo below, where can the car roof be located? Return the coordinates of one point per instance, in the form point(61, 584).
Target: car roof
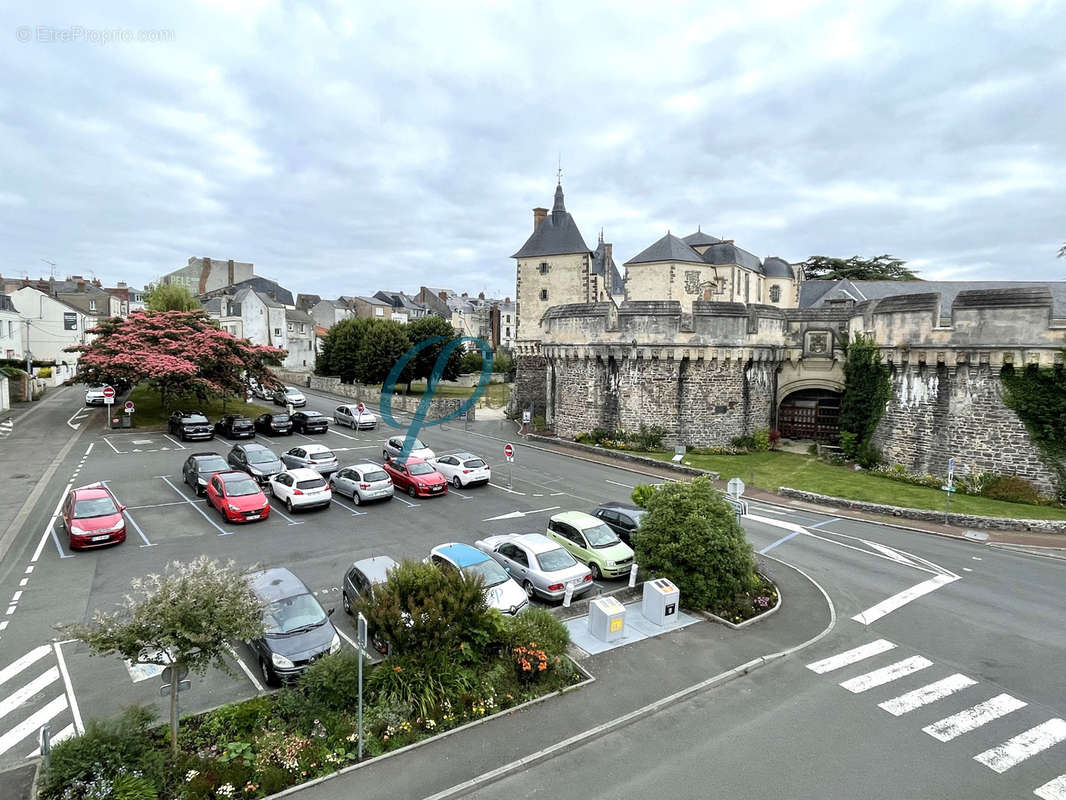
point(203, 454)
point(462, 456)
point(232, 475)
point(303, 473)
point(315, 448)
point(366, 466)
point(375, 568)
point(462, 555)
point(536, 542)
point(292, 389)
point(623, 506)
point(251, 446)
point(309, 413)
point(276, 584)
point(579, 519)
point(91, 492)
point(410, 460)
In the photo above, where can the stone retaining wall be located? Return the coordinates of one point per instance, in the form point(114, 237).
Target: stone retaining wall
point(961, 520)
point(371, 395)
point(621, 455)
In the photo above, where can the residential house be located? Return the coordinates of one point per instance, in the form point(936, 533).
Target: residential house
point(300, 333)
point(305, 302)
point(272, 289)
point(89, 296)
point(251, 315)
point(328, 313)
point(436, 301)
point(404, 308)
point(502, 323)
point(53, 325)
point(12, 330)
point(203, 275)
point(130, 298)
point(370, 307)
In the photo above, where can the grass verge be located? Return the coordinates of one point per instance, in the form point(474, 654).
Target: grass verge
point(148, 413)
point(496, 394)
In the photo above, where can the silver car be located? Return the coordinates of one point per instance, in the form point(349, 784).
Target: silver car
point(362, 482)
point(311, 456)
point(394, 445)
point(349, 415)
point(541, 566)
point(290, 395)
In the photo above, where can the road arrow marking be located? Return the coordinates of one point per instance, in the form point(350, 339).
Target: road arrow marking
point(518, 514)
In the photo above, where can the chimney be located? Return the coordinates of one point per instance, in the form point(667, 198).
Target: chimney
point(230, 266)
point(81, 285)
point(443, 296)
point(464, 294)
point(507, 301)
point(608, 249)
point(480, 295)
point(538, 216)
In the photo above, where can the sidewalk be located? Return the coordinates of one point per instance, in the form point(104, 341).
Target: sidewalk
point(627, 679)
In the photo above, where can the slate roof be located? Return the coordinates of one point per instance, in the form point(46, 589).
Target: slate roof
point(262, 286)
point(699, 238)
point(557, 233)
point(669, 248)
point(307, 300)
point(374, 301)
point(729, 253)
point(774, 267)
point(816, 292)
point(603, 264)
point(295, 315)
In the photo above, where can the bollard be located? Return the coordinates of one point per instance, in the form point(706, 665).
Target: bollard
point(633, 575)
point(568, 594)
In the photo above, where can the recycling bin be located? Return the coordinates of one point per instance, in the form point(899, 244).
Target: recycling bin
point(127, 420)
point(607, 619)
point(116, 422)
point(661, 602)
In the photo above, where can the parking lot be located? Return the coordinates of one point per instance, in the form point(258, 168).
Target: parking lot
point(167, 522)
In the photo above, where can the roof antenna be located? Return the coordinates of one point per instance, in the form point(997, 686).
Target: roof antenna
point(560, 172)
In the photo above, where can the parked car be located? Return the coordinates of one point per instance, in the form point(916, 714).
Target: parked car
point(190, 425)
point(416, 477)
point(289, 395)
point(394, 445)
point(541, 566)
point(309, 422)
point(362, 482)
point(262, 391)
point(93, 517)
point(199, 467)
point(300, 488)
point(94, 395)
point(502, 592)
point(463, 469)
point(277, 424)
point(622, 518)
point(359, 581)
point(297, 631)
point(237, 497)
point(591, 542)
point(311, 456)
point(258, 461)
point(349, 415)
point(235, 426)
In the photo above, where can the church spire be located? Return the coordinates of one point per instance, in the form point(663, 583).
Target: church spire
point(559, 209)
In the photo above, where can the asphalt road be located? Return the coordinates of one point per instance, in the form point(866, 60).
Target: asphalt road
point(982, 626)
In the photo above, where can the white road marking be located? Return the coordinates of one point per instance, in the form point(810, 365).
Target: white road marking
point(874, 613)
point(119, 452)
point(1052, 790)
point(892, 672)
point(30, 725)
point(460, 494)
point(133, 522)
point(179, 445)
point(291, 521)
point(155, 505)
point(518, 514)
point(4, 624)
point(11, 610)
point(49, 528)
point(75, 712)
point(850, 656)
point(64, 734)
point(29, 569)
point(927, 694)
point(510, 491)
point(70, 422)
point(244, 668)
point(406, 502)
point(181, 494)
point(625, 485)
point(346, 637)
point(20, 696)
point(21, 663)
point(973, 718)
point(347, 508)
point(15, 597)
point(888, 551)
point(1018, 748)
point(89, 449)
point(976, 558)
point(24, 581)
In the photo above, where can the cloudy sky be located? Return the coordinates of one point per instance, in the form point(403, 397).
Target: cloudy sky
point(345, 149)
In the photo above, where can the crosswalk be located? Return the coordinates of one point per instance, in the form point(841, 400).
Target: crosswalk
point(1001, 758)
point(6, 428)
point(32, 694)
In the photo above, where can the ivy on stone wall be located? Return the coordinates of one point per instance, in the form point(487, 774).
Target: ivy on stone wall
point(867, 389)
point(1038, 397)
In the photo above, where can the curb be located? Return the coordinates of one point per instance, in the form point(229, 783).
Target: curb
point(634, 458)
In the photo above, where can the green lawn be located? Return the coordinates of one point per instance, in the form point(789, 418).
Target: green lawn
point(770, 471)
point(496, 394)
point(148, 413)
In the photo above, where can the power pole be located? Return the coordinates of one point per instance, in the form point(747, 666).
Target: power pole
point(29, 365)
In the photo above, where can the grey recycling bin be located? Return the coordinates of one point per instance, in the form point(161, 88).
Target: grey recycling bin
point(661, 602)
point(127, 420)
point(607, 619)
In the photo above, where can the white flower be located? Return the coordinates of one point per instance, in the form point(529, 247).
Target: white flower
point(192, 773)
point(225, 790)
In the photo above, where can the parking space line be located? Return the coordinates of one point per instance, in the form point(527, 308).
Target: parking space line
point(346, 637)
point(120, 452)
point(214, 524)
point(274, 510)
point(626, 485)
point(179, 444)
point(244, 668)
point(79, 727)
point(349, 508)
point(460, 494)
point(50, 529)
point(130, 518)
point(89, 449)
point(155, 505)
point(504, 489)
point(405, 501)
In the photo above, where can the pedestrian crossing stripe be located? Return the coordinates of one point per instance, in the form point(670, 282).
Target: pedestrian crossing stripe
point(1018, 748)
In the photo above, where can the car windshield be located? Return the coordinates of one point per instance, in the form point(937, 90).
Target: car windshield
point(94, 507)
point(311, 483)
point(281, 418)
point(474, 463)
point(555, 560)
point(241, 488)
point(418, 444)
point(261, 457)
point(600, 536)
point(420, 469)
point(325, 455)
point(291, 614)
point(214, 464)
point(292, 391)
point(194, 418)
point(376, 475)
point(310, 414)
point(241, 421)
point(490, 571)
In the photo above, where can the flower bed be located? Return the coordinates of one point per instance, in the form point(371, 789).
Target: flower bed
point(761, 599)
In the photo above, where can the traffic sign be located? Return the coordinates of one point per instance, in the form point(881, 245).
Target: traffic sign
point(735, 487)
point(508, 450)
point(361, 408)
point(951, 470)
point(129, 406)
point(109, 392)
point(360, 634)
point(168, 673)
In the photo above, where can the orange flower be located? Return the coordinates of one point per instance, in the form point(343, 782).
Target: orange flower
point(398, 669)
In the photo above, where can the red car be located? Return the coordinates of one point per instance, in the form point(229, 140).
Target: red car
point(93, 517)
point(417, 477)
point(237, 497)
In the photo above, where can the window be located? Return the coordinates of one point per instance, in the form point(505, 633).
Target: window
point(303, 327)
point(544, 267)
point(379, 312)
point(277, 331)
point(92, 305)
point(290, 327)
point(543, 294)
point(10, 330)
point(508, 318)
point(508, 333)
point(775, 294)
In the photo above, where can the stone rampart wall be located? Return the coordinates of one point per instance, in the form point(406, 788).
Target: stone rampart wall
point(371, 396)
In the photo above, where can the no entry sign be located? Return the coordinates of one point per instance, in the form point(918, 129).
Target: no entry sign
point(361, 408)
point(109, 394)
point(508, 450)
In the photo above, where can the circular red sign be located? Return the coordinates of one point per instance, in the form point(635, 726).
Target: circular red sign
point(362, 408)
point(508, 450)
point(109, 391)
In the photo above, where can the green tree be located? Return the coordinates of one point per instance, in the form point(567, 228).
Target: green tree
point(185, 617)
point(169, 297)
point(867, 390)
point(340, 348)
point(421, 367)
point(881, 268)
point(502, 360)
point(382, 344)
point(470, 363)
point(691, 536)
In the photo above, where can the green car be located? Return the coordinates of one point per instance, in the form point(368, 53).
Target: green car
point(591, 542)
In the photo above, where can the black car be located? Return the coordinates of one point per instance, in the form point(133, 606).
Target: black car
point(235, 426)
point(622, 518)
point(274, 424)
point(190, 425)
point(199, 467)
point(309, 422)
point(359, 582)
point(258, 461)
point(297, 629)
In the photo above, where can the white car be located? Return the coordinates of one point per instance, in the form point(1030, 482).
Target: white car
point(462, 469)
point(290, 396)
point(300, 488)
point(349, 415)
point(394, 445)
point(362, 482)
point(94, 395)
point(502, 592)
point(315, 457)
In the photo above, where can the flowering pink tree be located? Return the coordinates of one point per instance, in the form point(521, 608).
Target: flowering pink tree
point(177, 352)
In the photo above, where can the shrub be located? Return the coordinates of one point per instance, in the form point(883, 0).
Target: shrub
point(849, 444)
point(540, 423)
point(421, 683)
point(868, 456)
point(470, 362)
point(691, 536)
point(332, 682)
point(745, 442)
point(44, 372)
point(761, 440)
point(1012, 489)
point(649, 437)
point(540, 627)
point(235, 721)
point(642, 494)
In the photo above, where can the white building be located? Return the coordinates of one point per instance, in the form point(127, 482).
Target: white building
point(251, 315)
point(53, 325)
point(12, 329)
point(302, 346)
